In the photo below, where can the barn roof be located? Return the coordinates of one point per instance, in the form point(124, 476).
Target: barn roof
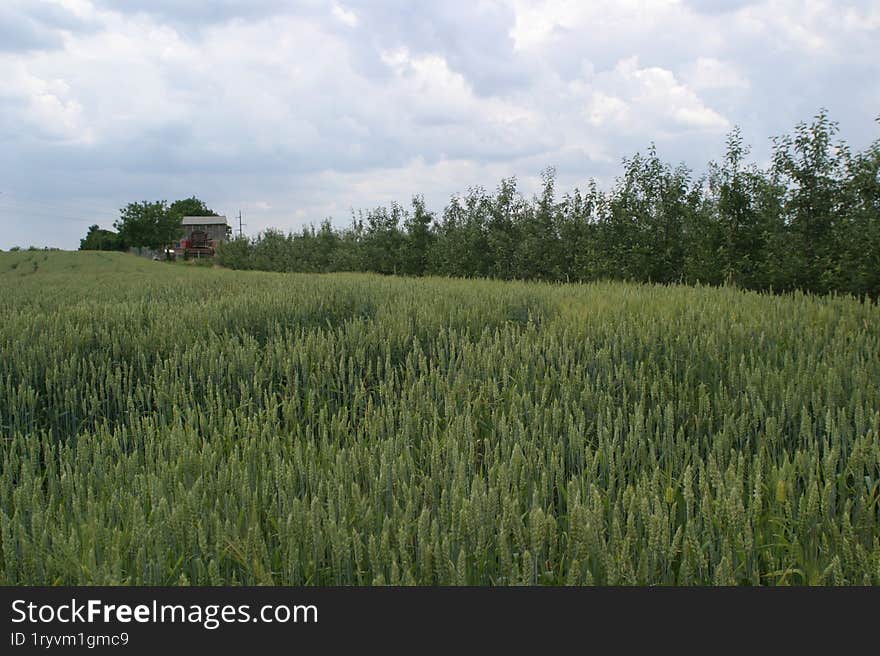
point(203, 220)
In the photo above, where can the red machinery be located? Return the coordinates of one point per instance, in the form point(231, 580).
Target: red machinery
point(198, 245)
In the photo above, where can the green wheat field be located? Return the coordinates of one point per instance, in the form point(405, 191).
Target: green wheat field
point(171, 424)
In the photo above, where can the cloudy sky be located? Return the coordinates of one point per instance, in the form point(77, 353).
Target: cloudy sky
point(293, 111)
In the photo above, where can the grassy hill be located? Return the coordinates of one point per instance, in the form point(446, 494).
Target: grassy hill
point(165, 423)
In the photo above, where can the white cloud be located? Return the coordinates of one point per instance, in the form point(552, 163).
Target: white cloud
point(46, 106)
point(651, 98)
point(711, 73)
point(540, 23)
point(811, 27)
point(345, 16)
point(434, 93)
point(605, 109)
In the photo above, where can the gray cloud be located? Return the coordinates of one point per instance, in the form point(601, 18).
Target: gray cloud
point(197, 13)
point(718, 6)
point(297, 111)
point(474, 38)
point(37, 25)
point(20, 32)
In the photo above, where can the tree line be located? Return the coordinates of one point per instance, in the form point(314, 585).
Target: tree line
point(810, 220)
point(146, 224)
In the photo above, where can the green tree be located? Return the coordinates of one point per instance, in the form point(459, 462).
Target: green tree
point(236, 253)
point(539, 255)
point(578, 227)
point(734, 222)
point(326, 245)
point(811, 168)
point(98, 239)
point(859, 230)
point(148, 224)
point(502, 228)
point(418, 238)
point(191, 206)
point(643, 232)
point(384, 240)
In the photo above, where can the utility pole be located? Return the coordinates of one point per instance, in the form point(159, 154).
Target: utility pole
point(240, 224)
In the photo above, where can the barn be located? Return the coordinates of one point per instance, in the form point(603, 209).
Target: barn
point(200, 235)
point(216, 227)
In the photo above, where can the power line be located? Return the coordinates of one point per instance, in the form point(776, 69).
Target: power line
point(240, 224)
point(93, 206)
point(43, 215)
point(27, 211)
